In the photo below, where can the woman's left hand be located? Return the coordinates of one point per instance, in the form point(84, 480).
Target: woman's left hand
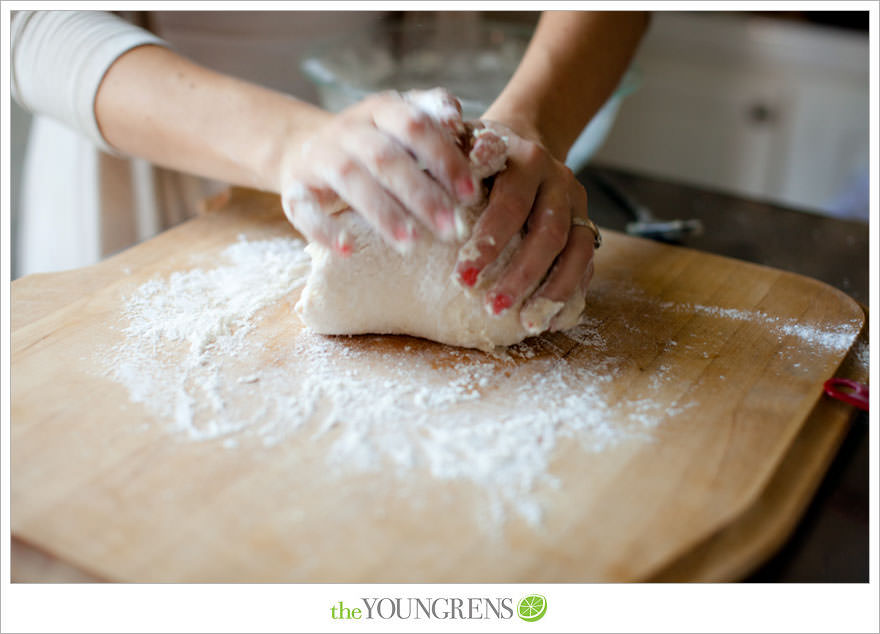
point(538, 195)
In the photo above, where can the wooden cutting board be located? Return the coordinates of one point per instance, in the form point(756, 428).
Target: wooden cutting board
point(99, 482)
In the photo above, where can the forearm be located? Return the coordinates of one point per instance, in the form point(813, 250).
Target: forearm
point(157, 105)
point(572, 65)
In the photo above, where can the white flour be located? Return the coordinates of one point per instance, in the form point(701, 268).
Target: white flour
point(200, 306)
point(839, 337)
point(192, 355)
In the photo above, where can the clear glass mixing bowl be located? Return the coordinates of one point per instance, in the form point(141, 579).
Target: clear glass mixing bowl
point(473, 61)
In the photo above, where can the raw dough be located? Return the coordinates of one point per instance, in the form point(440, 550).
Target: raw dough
point(380, 291)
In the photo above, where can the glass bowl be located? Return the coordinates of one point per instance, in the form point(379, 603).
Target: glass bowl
point(473, 60)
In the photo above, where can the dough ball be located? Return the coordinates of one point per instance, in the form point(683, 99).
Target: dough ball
point(377, 290)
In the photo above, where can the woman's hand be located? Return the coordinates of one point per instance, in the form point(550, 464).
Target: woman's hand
point(391, 157)
point(538, 196)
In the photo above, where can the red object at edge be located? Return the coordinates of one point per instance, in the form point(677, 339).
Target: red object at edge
point(848, 391)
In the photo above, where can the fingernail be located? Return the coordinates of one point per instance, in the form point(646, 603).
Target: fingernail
point(499, 302)
point(402, 247)
point(462, 228)
point(468, 276)
point(445, 224)
point(404, 240)
point(342, 245)
point(465, 187)
point(405, 232)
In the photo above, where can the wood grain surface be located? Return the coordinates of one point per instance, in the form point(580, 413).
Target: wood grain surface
point(93, 486)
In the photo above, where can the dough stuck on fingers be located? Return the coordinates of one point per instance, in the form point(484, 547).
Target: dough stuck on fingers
point(376, 290)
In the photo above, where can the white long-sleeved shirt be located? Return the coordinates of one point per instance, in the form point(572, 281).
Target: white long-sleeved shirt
point(79, 200)
point(60, 57)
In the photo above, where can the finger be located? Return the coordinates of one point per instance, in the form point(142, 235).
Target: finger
point(588, 276)
point(441, 105)
point(510, 201)
point(488, 154)
point(304, 208)
point(433, 146)
point(356, 186)
point(547, 236)
point(569, 275)
point(585, 282)
point(396, 170)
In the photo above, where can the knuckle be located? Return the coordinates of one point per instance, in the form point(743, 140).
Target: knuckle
point(572, 186)
point(383, 156)
point(380, 98)
point(388, 209)
point(482, 248)
point(554, 236)
point(532, 153)
point(430, 201)
point(416, 124)
point(516, 204)
point(455, 165)
point(346, 167)
point(490, 248)
point(525, 276)
point(344, 121)
point(569, 181)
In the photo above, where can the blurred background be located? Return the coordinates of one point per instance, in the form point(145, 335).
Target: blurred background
point(770, 106)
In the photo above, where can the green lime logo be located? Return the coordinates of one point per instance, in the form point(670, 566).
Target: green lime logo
point(532, 608)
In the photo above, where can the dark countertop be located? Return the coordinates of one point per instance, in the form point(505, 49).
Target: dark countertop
point(830, 543)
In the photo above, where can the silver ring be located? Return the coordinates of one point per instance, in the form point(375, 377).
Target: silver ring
point(589, 224)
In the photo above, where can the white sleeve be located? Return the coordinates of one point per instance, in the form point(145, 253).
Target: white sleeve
point(59, 59)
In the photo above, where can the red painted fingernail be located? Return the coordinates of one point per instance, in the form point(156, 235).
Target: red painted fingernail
point(343, 248)
point(445, 222)
point(405, 232)
point(500, 302)
point(465, 187)
point(469, 275)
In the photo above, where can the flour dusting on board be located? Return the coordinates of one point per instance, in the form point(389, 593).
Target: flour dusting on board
point(192, 354)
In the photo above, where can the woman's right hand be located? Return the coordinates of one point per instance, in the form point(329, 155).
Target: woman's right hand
point(391, 157)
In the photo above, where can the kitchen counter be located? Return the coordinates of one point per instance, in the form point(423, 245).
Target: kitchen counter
point(831, 542)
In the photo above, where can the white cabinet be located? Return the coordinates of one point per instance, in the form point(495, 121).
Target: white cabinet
point(750, 105)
